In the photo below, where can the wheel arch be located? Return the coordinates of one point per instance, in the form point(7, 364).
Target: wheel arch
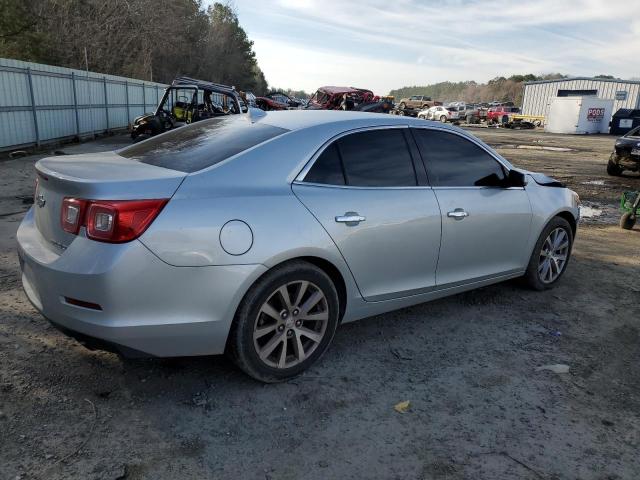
point(336, 277)
point(568, 216)
point(328, 267)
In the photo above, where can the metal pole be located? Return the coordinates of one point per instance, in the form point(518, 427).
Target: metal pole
point(86, 64)
point(75, 103)
point(33, 108)
point(126, 92)
point(106, 101)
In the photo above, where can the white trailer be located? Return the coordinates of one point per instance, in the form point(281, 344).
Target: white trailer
point(588, 114)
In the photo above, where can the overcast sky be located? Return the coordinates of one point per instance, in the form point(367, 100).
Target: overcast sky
point(385, 44)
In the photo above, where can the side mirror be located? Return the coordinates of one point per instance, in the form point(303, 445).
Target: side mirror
point(516, 179)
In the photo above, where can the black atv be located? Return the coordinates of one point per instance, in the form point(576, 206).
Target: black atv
point(186, 101)
point(626, 155)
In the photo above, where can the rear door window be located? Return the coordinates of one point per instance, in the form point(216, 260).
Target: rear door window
point(375, 158)
point(454, 161)
point(201, 144)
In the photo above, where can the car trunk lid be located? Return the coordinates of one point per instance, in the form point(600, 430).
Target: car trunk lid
point(100, 176)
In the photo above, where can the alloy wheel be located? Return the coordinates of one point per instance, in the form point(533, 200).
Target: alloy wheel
point(553, 256)
point(291, 324)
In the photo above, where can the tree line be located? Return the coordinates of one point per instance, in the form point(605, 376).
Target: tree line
point(499, 89)
point(155, 40)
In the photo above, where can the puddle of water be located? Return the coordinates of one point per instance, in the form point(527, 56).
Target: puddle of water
point(589, 212)
point(594, 182)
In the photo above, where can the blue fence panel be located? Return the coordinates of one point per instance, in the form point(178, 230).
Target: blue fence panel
point(40, 103)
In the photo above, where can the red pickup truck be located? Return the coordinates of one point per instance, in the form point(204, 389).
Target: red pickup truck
point(500, 114)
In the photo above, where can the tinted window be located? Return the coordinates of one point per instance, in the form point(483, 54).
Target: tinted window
point(377, 158)
point(453, 161)
point(202, 144)
point(327, 169)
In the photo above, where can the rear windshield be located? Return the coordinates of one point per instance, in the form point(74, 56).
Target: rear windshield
point(202, 144)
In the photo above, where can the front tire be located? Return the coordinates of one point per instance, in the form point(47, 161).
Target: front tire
point(285, 322)
point(628, 220)
point(613, 168)
point(551, 255)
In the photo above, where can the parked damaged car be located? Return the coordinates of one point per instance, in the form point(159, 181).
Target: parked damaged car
point(277, 101)
point(438, 113)
point(341, 98)
point(185, 101)
point(420, 102)
point(626, 155)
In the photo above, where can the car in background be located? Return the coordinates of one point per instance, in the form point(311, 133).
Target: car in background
point(501, 114)
point(176, 246)
point(438, 113)
point(186, 101)
point(417, 102)
point(249, 98)
point(340, 98)
point(277, 101)
point(626, 154)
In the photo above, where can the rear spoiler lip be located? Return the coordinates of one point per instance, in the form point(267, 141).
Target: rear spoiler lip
point(127, 180)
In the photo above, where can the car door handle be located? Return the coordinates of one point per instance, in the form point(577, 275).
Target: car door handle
point(458, 214)
point(350, 218)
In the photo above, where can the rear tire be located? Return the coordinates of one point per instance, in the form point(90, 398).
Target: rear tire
point(298, 329)
point(547, 265)
point(628, 220)
point(443, 119)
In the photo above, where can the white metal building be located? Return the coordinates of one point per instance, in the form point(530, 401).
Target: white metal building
point(537, 96)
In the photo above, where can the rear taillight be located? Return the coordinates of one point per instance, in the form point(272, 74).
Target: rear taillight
point(72, 214)
point(113, 221)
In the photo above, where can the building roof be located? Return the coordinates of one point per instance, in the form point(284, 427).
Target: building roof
point(558, 80)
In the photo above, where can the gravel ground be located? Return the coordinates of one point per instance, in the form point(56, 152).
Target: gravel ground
point(479, 408)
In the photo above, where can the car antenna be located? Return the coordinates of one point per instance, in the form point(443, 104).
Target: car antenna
point(254, 114)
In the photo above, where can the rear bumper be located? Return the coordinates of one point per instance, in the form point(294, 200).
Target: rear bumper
point(147, 307)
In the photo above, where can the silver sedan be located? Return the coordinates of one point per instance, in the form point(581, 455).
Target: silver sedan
point(258, 234)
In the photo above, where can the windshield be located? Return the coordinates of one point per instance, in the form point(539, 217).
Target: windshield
point(634, 133)
point(202, 144)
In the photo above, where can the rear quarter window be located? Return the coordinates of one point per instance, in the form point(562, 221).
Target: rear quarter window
point(202, 144)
